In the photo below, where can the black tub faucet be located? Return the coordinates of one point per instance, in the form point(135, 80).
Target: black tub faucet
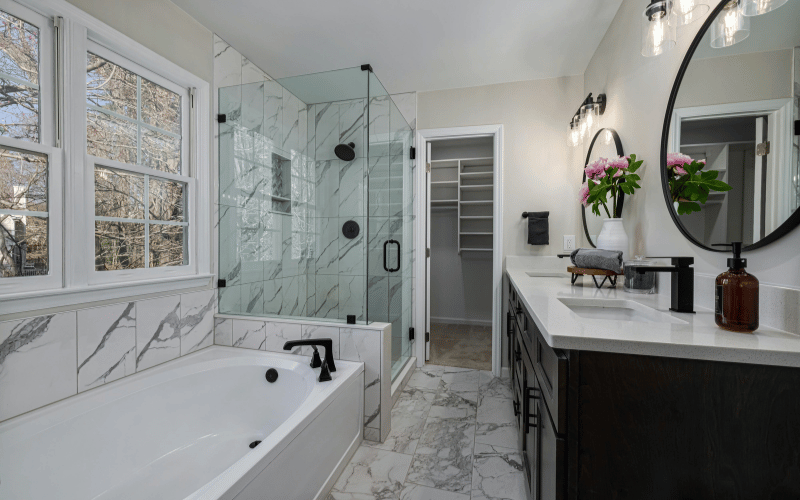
point(682, 286)
point(328, 365)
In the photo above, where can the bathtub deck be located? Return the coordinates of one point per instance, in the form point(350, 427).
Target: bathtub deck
point(453, 437)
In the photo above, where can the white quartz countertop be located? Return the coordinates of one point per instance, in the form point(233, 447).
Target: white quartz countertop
point(695, 337)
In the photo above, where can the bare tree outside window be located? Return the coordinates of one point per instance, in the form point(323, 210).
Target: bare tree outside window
point(19, 79)
point(140, 219)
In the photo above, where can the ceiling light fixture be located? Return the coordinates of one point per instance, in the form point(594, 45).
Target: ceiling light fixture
point(658, 33)
point(730, 27)
point(688, 11)
point(758, 7)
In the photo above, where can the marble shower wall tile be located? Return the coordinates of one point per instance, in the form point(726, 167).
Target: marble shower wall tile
point(227, 64)
point(273, 113)
point(42, 350)
point(223, 331)
point(321, 332)
point(352, 298)
point(326, 128)
point(365, 346)
point(327, 188)
point(351, 188)
point(106, 344)
point(351, 124)
point(197, 320)
point(278, 334)
point(158, 331)
point(291, 122)
point(352, 252)
point(326, 245)
point(249, 334)
point(327, 297)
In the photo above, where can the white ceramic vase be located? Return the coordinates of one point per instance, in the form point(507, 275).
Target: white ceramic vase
point(613, 236)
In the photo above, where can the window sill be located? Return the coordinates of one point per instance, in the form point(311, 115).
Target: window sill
point(49, 301)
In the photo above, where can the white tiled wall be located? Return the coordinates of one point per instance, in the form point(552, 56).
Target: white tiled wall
point(370, 344)
point(44, 359)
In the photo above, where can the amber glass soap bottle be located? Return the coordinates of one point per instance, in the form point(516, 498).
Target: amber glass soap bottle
point(736, 295)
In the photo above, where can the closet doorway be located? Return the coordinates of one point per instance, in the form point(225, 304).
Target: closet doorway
point(462, 258)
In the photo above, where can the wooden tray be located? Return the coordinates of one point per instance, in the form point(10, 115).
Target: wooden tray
point(609, 276)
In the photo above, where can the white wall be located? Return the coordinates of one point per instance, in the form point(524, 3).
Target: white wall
point(638, 89)
point(541, 172)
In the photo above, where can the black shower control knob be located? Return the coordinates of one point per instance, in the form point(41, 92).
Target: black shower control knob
point(350, 229)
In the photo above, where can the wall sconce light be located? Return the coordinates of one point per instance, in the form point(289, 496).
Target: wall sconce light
point(688, 11)
point(658, 33)
point(730, 27)
point(586, 120)
point(758, 7)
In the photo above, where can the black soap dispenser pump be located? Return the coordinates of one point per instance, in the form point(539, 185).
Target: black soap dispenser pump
point(736, 294)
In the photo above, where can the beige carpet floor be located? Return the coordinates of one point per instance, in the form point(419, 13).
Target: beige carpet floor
point(464, 346)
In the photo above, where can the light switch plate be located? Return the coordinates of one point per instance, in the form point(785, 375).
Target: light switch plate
point(569, 242)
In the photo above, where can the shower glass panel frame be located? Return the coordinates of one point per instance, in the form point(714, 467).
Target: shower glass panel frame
point(284, 197)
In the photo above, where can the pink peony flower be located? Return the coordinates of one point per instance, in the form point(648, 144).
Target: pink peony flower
point(597, 169)
point(584, 194)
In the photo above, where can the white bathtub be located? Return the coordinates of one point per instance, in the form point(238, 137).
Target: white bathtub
point(182, 430)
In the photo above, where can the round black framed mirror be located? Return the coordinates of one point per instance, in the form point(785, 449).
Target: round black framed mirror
point(605, 144)
point(732, 116)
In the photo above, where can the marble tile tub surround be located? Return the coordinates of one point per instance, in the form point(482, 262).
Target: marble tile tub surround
point(370, 344)
point(697, 338)
point(453, 437)
point(44, 359)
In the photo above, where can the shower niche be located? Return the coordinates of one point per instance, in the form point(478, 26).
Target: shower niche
point(281, 185)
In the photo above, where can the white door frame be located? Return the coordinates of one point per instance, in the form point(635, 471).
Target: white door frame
point(420, 232)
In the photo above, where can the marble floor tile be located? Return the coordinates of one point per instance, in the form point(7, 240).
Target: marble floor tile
point(465, 402)
point(496, 411)
point(490, 386)
point(417, 492)
point(460, 380)
point(425, 380)
point(372, 473)
point(408, 420)
point(433, 369)
point(497, 474)
point(443, 458)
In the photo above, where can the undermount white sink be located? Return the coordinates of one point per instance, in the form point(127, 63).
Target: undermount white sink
point(617, 310)
point(547, 274)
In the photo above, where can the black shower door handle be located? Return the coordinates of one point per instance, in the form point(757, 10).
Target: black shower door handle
point(386, 257)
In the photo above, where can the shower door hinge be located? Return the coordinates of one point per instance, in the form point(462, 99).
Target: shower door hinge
point(221, 283)
point(427, 252)
point(762, 149)
point(427, 336)
point(366, 67)
point(413, 153)
point(222, 118)
point(797, 127)
point(411, 334)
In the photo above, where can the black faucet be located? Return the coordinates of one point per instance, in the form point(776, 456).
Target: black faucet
point(328, 365)
point(682, 281)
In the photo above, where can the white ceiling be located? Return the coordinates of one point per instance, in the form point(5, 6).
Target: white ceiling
point(414, 44)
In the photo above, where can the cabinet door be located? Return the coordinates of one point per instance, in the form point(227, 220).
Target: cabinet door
point(530, 433)
point(510, 340)
point(552, 474)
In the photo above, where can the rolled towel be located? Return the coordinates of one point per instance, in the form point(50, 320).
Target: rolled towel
point(538, 228)
point(595, 258)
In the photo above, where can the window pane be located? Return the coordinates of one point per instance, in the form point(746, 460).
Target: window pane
point(118, 245)
point(118, 194)
point(110, 137)
point(19, 77)
point(23, 246)
point(161, 151)
point(166, 200)
point(167, 245)
point(23, 181)
point(110, 86)
point(161, 107)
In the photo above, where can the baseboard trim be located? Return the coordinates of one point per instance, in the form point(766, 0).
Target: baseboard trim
point(462, 321)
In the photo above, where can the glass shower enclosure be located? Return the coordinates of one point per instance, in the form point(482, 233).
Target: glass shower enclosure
point(315, 202)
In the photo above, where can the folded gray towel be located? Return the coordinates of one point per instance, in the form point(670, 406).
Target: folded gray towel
point(595, 258)
point(538, 228)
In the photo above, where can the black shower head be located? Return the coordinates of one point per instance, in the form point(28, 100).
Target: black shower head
point(345, 152)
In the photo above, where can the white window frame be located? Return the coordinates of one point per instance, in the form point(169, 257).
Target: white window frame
point(124, 275)
point(72, 176)
point(45, 146)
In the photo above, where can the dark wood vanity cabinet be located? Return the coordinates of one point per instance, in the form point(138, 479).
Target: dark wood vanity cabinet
point(599, 425)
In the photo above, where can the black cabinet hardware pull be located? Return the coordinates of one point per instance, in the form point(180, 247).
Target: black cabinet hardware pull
point(516, 409)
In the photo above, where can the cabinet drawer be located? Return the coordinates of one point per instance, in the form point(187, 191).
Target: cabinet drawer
point(550, 366)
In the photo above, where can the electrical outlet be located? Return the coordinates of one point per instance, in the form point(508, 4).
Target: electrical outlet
point(569, 242)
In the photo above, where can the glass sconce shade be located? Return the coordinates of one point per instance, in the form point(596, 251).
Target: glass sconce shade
point(688, 11)
point(658, 33)
point(758, 7)
point(730, 27)
point(590, 118)
point(574, 138)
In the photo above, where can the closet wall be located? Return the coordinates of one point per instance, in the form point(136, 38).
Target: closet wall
point(461, 283)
